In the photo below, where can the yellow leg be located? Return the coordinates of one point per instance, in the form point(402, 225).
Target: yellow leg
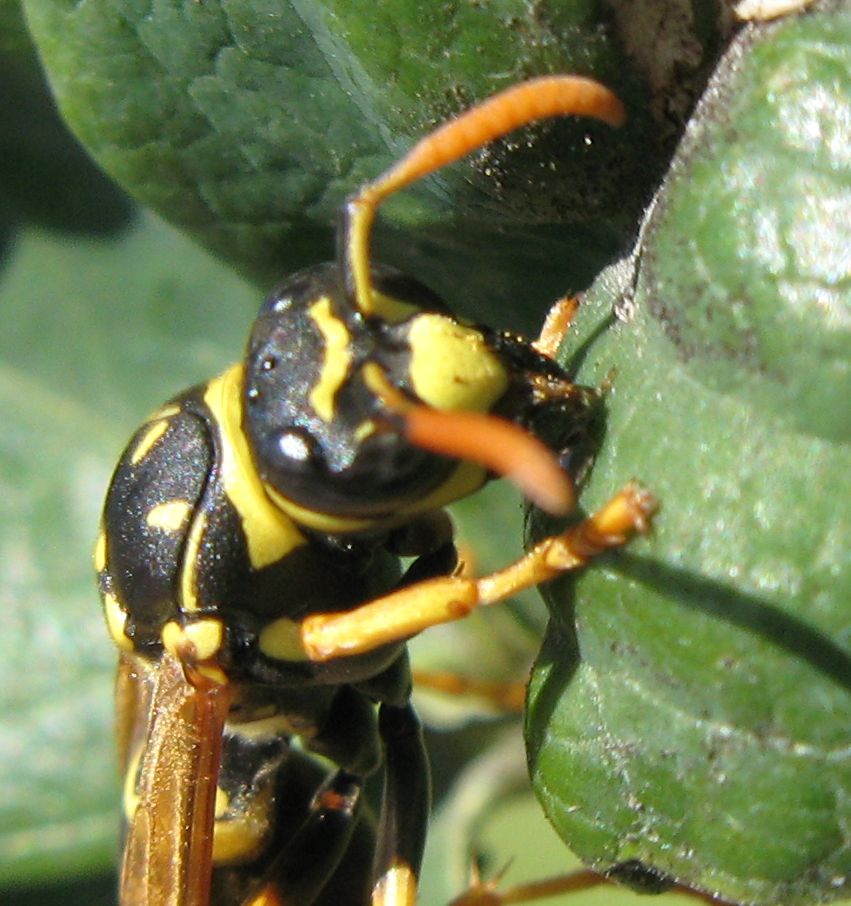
point(556, 324)
point(506, 696)
point(397, 887)
point(487, 893)
point(404, 613)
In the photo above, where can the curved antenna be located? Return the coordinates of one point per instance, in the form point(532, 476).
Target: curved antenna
point(495, 443)
point(547, 96)
point(500, 446)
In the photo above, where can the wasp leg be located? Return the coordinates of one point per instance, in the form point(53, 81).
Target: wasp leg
point(312, 855)
point(408, 611)
point(329, 831)
point(487, 893)
point(507, 697)
point(405, 807)
point(423, 535)
point(555, 326)
point(348, 734)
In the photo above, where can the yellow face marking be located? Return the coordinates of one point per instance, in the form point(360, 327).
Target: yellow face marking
point(269, 533)
point(321, 522)
point(452, 367)
point(170, 516)
point(202, 637)
point(281, 640)
point(377, 381)
point(189, 569)
point(147, 441)
point(100, 551)
point(336, 360)
point(116, 622)
point(365, 429)
point(392, 310)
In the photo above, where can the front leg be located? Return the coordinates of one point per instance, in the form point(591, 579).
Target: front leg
point(406, 612)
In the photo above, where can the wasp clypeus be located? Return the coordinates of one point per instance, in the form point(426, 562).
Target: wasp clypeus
point(249, 561)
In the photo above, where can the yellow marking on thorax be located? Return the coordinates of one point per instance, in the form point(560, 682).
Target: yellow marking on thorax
point(166, 411)
point(147, 441)
point(269, 533)
point(452, 367)
point(197, 641)
point(196, 644)
point(116, 622)
point(100, 551)
point(336, 360)
point(189, 568)
point(170, 516)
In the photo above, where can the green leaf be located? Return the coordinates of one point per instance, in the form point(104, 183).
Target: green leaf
point(691, 706)
point(247, 122)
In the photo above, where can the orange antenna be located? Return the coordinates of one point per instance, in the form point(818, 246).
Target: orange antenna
point(540, 98)
point(494, 443)
point(500, 446)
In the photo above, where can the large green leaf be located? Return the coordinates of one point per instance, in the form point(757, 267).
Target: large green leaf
point(691, 706)
point(247, 121)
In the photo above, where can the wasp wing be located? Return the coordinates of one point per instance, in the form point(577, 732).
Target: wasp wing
point(170, 740)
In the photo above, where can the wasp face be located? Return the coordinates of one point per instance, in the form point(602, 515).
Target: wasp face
point(320, 434)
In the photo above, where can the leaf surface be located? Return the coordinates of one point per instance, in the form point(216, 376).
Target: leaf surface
point(691, 705)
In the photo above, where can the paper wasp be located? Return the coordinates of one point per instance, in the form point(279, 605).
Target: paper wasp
point(248, 561)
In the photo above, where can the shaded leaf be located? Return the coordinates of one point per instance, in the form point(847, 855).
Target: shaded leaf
point(246, 122)
point(45, 176)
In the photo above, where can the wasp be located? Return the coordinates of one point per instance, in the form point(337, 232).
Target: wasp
point(249, 561)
